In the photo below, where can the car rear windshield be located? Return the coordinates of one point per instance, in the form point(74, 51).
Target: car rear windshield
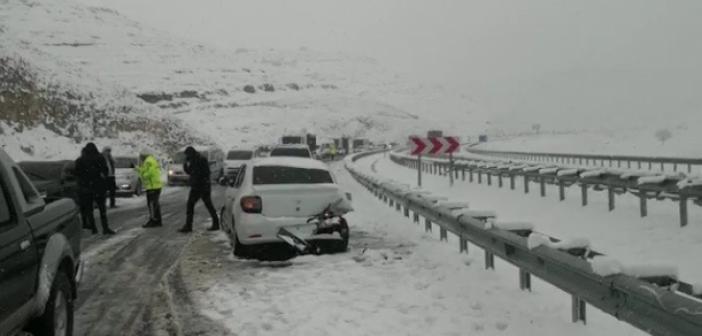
point(290, 175)
point(296, 152)
point(239, 155)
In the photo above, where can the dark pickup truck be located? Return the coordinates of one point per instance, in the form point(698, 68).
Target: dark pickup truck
point(40, 264)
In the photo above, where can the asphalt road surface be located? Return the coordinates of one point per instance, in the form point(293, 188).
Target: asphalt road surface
point(122, 292)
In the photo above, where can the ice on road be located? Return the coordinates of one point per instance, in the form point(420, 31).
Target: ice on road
point(395, 280)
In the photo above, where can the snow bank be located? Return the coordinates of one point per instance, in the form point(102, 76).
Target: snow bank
point(476, 214)
point(568, 172)
point(539, 239)
point(657, 179)
point(593, 173)
point(647, 271)
point(551, 170)
point(605, 266)
point(509, 226)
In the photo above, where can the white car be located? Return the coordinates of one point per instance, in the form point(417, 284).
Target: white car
point(126, 177)
point(280, 192)
point(293, 150)
point(235, 159)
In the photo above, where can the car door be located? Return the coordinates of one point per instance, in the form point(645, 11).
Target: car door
point(235, 191)
point(18, 258)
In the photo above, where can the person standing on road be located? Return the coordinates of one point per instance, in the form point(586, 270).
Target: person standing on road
point(150, 174)
point(200, 188)
point(111, 182)
point(91, 173)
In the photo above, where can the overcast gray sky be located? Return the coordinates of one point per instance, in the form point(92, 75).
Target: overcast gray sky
point(554, 61)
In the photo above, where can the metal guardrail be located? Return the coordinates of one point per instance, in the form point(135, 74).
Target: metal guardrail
point(618, 161)
point(654, 305)
point(613, 181)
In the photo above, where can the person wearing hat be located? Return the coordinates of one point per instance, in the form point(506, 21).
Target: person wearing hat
point(111, 183)
point(91, 174)
point(200, 188)
point(150, 174)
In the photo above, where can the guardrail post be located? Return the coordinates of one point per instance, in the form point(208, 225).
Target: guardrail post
point(650, 165)
point(628, 164)
point(675, 167)
point(489, 260)
point(398, 206)
point(561, 190)
point(543, 186)
point(579, 310)
point(689, 168)
point(463, 172)
point(489, 178)
point(662, 166)
point(583, 192)
point(427, 225)
point(415, 217)
point(480, 177)
point(511, 181)
point(470, 175)
point(443, 234)
point(610, 194)
point(499, 180)
point(407, 211)
point(526, 184)
point(463, 244)
point(642, 203)
point(524, 280)
point(683, 210)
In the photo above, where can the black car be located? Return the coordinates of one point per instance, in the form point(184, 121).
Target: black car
point(54, 179)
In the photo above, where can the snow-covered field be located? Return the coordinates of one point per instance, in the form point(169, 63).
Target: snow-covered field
point(395, 280)
point(684, 142)
point(621, 234)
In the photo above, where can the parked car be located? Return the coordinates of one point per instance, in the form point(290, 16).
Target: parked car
point(294, 150)
point(40, 264)
point(214, 155)
point(53, 179)
point(235, 159)
point(274, 193)
point(126, 177)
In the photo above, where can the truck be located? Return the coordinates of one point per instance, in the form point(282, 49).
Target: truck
point(40, 264)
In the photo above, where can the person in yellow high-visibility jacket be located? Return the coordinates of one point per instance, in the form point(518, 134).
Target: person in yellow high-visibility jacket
point(150, 174)
point(332, 151)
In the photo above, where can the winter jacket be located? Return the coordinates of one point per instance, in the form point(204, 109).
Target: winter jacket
point(110, 164)
point(91, 174)
point(199, 170)
point(150, 173)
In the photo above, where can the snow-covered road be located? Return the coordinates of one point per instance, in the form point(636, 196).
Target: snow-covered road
point(395, 280)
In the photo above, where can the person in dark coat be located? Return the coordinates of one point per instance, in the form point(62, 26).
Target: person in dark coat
point(91, 173)
point(111, 182)
point(198, 168)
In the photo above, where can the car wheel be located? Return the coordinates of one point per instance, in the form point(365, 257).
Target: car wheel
point(57, 319)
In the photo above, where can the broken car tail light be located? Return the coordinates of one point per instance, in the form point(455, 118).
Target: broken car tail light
point(251, 204)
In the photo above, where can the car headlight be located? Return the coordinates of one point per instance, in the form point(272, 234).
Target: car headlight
point(170, 172)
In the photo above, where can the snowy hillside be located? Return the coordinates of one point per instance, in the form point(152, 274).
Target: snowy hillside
point(247, 96)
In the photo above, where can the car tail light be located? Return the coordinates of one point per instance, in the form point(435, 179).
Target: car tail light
point(251, 204)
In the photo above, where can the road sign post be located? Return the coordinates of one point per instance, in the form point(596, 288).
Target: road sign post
point(451, 169)
point(434, 146)
point(419, 170)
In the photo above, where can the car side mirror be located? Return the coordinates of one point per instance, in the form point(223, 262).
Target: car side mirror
point(348, 196)
point(43, 194)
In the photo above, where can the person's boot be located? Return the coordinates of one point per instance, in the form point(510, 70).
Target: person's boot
point(107, 231)
point(186, 229)
point(215, 225)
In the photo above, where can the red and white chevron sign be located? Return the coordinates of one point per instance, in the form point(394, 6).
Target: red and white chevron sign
point(434, 146)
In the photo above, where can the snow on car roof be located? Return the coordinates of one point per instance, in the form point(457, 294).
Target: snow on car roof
point(289, 161)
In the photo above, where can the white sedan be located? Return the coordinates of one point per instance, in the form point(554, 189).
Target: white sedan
point(270, 194)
